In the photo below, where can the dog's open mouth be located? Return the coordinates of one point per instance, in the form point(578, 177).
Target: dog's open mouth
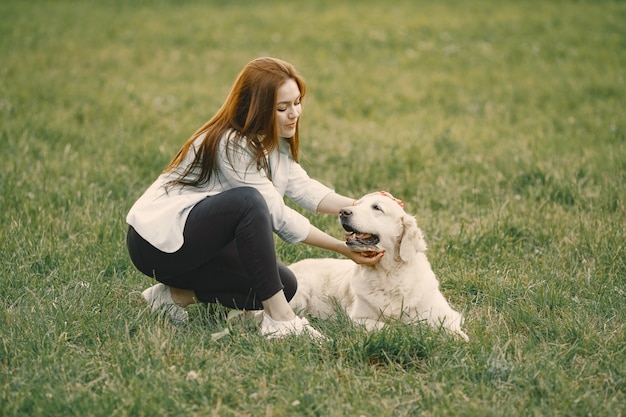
point(360, 242)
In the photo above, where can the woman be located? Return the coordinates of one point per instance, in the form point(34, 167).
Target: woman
point(204, 228)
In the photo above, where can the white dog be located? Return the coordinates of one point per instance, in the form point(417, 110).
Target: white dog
point(400, 286)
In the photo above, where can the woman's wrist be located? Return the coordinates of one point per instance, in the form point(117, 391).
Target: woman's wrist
point(343, 249)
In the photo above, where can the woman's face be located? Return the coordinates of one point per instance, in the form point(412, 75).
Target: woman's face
point(288, 108)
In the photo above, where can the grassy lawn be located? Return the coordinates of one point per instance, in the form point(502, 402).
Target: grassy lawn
point(500, 124)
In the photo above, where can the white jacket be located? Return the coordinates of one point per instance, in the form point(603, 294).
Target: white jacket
point(160, 216)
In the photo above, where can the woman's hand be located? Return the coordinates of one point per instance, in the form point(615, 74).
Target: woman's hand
point(321, 240)
point(363, 258)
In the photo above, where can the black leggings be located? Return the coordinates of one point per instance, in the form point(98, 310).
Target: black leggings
point(228, 253)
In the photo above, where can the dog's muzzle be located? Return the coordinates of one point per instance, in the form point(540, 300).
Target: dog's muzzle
point(357, 240)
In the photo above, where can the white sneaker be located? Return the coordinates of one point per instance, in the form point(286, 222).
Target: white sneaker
point(160, 300)
point(272, 329)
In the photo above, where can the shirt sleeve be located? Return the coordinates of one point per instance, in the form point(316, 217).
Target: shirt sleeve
point(304, 190)
point(238, 168)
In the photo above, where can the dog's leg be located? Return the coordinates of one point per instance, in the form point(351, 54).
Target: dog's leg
point(440, 314)
point(363, 313)
point(371, 324)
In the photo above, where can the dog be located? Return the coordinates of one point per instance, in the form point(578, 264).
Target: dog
point(401, 286)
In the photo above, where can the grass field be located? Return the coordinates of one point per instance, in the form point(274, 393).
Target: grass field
point(500, 124)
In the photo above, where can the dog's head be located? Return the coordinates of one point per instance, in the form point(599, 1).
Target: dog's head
point(377, 222)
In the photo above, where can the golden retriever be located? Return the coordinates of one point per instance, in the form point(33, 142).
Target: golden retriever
point(401, 286)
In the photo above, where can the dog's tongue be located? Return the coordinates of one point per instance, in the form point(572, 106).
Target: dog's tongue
point(357, 236)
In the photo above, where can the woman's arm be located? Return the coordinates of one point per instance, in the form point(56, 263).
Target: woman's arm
point(321, 240)
point(333, 202)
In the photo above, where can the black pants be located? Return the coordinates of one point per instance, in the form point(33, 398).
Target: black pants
point(228, 253)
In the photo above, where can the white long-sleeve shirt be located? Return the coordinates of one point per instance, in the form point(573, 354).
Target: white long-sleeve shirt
point(160, 216)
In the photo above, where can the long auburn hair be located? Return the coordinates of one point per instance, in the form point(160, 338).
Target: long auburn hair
point(249, 111)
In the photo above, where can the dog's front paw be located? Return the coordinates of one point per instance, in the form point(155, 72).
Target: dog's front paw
point(455, 328)
point(462, 334)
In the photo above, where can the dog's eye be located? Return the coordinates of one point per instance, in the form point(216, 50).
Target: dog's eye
point(377, 208)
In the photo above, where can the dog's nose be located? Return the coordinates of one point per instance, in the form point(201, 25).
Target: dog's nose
point(345, 212)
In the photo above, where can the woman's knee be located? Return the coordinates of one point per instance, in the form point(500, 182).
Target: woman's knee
point(254, 202)
point(252, 196)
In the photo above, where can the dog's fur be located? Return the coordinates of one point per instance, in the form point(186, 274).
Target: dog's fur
point(401, 286)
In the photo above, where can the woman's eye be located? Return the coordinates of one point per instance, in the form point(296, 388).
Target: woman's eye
point(285, 107)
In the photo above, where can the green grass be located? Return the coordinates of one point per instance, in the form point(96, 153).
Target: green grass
point(500, 124)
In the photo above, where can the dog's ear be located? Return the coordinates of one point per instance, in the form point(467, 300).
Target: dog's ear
point(412, 239)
